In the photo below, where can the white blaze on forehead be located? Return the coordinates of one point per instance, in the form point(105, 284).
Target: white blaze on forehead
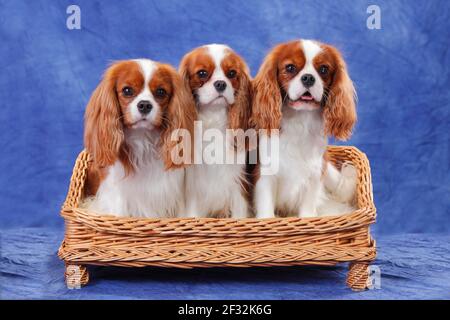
point(310, 49)
point(217, 52)
point(148, 68)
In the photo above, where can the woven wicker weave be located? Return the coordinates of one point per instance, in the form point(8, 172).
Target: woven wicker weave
point(208, 242)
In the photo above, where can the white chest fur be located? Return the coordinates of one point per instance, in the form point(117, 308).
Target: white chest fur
point(302, 145)
point(214, 187)
point(295, 187)
point(149, 191)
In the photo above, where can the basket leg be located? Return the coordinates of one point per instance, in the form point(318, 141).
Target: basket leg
point(76, 276)
point(358, 276)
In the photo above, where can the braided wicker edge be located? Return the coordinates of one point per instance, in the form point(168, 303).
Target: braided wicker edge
point(185, 257)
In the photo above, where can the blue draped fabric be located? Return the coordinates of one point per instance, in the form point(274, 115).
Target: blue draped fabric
point(412, 266)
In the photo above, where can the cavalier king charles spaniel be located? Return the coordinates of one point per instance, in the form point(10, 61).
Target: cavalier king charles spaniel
point(303, 90)
point(128, 125)
point(220, 83)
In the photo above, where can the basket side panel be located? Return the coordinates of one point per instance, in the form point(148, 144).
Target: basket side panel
point(77, 181)
point(108, 240)
point(85, 246)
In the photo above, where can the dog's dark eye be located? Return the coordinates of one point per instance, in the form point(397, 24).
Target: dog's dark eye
point(231, 74)
point(290, 68)
point(202, 74)
point(128, 91)
point(323, 69)
point(160, 93)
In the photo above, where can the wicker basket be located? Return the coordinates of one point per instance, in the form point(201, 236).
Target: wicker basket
point(208, 242)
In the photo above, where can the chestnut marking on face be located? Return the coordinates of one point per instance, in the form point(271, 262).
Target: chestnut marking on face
point(143, 89)
point(214, 73)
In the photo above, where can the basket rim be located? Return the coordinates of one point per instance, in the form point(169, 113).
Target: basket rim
point(141, 227)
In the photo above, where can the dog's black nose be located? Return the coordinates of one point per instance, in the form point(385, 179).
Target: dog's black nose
point(308, 80)
point(144, 107)
point(220, 85)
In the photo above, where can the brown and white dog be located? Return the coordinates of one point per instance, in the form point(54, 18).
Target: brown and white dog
point(128, 125)
point(220, 83)
point(303, 89)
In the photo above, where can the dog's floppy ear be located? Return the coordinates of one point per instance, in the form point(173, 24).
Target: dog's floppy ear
point(180, 116)
point(103, 129)
point(184, 72)
point(266, 102)
point(339, 111)
point(240, 110)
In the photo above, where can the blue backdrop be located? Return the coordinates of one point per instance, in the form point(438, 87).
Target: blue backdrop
point(401, 73)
